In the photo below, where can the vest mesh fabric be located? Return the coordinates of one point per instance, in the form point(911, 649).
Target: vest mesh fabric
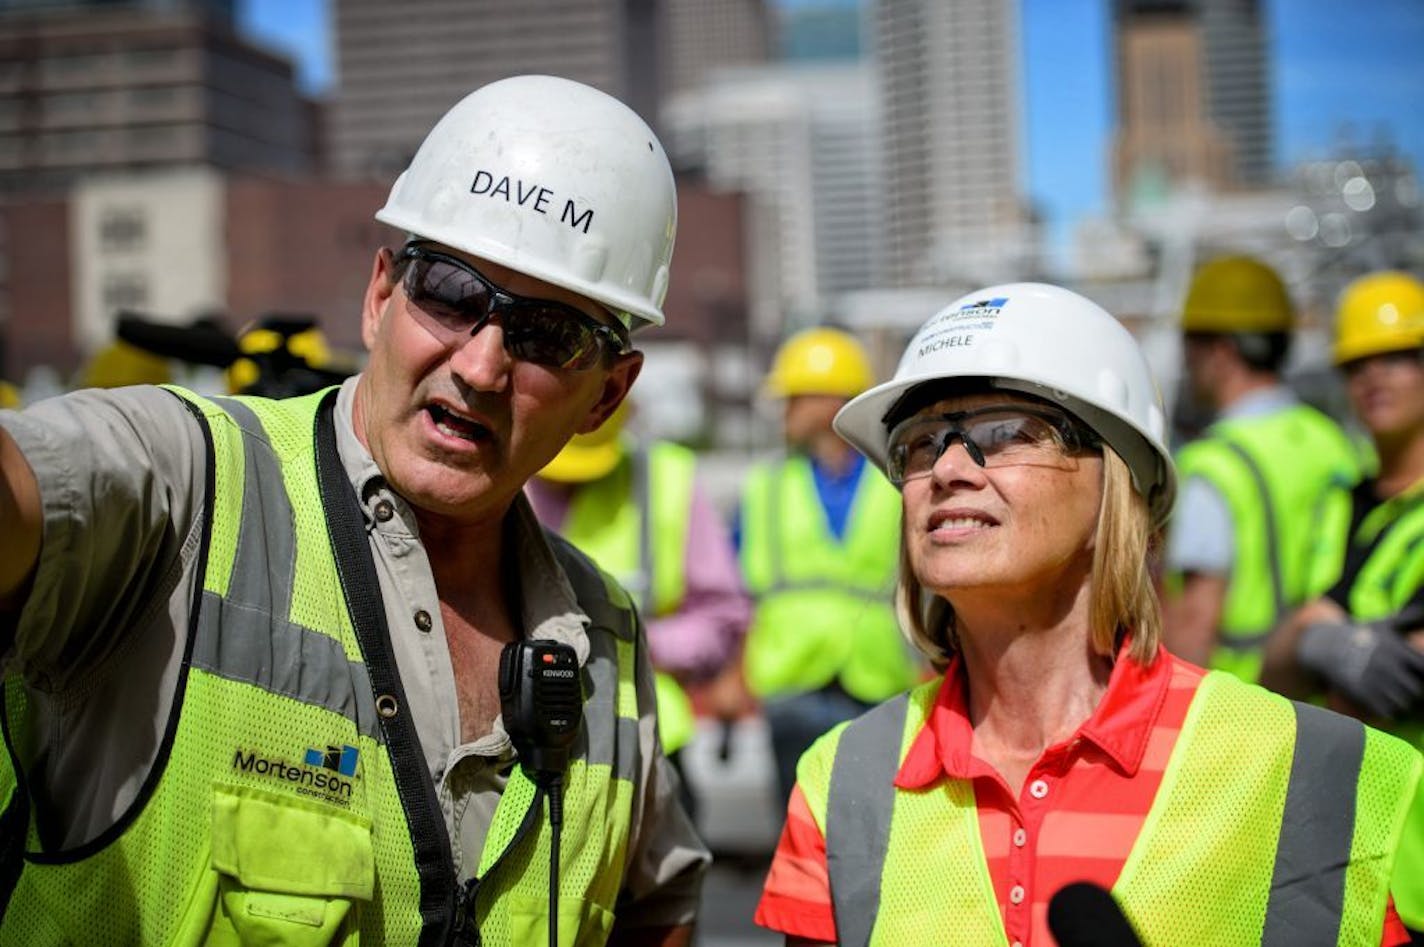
point(1296, 452)
point(823, 609)
point(1202, 868)
point(157, 883)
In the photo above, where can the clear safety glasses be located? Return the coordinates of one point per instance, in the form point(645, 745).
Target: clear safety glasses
point(457, 299)
point(998, 436)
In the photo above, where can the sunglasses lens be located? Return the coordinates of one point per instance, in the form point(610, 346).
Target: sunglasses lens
point(994, 437)
point(1009, 434)
point(555, 337)
point(454, 298)
point(451, 297)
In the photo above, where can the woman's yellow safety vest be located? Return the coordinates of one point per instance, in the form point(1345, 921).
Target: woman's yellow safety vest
point(647, 554)
point(1270, 470)
point(1391, 538)
point(290, 802)
point(1276, 823)
point(824, 609)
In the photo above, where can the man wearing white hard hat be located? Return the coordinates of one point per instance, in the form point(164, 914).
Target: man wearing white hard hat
point(309, 671)
point(1060, 743)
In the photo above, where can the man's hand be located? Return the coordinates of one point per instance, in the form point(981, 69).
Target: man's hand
point(1370, 663)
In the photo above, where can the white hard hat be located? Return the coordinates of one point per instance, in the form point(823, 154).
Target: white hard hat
point(553, 179)
point(1044, 341)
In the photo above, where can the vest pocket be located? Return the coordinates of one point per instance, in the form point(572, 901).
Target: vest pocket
point(288, 870)
point(581, 923)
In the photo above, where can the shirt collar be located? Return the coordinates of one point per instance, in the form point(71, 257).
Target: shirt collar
point(549, 607)
point(1120, 726)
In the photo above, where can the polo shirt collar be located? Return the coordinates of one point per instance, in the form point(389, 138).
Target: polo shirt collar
point(1120, 726)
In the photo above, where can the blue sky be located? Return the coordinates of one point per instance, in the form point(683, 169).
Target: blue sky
point(1353, 66)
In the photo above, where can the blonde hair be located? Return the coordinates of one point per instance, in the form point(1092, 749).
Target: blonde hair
point(1122, 597)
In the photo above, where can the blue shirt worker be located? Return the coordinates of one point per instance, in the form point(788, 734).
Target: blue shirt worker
point(818, 533)
point(309, 670)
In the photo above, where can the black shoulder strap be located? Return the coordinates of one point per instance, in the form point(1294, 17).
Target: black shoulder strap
point(362, 589)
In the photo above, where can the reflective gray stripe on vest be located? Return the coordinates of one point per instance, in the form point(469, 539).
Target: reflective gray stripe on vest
point(1273, 552)
point(867, 595)
point(246, 637)
point(859, 805)
point(612, 739)
point(1317, 831)
point(1307, 893)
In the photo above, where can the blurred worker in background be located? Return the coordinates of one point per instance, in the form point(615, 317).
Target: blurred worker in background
point(637, 509)
point(1242, 531)
point(1060, 743)
point(1362, 636)
point(819, 553)
point(255, 646)
point(119, 364)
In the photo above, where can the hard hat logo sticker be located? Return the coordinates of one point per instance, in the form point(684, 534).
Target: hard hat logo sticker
point(529, 194)
point(955, 329)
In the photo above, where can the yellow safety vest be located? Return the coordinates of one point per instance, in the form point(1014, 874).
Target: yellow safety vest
point(645, 553)
point(1276, 823)
point(1390, 536)
point(824, 609)
point(289, 802)
point(1270, 470)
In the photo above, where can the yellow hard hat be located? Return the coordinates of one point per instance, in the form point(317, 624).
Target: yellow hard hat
point(1237, 294)
point(819, 362)
point(587, 457)
point(9, 395)
point(119, 364)
point(307, 345)
point(1380, 312)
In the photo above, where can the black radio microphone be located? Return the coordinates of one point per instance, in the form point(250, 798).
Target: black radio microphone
point(1083, 914)
point(542, 702)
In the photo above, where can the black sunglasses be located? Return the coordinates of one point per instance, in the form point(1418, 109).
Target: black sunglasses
point(456, 298)
point(997, 436)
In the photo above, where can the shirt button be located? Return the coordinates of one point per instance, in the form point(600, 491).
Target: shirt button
point(1038, 789)
point(1020, 837)
point(1016, 894)
point(1018, 943)
point(422, 620)
point(384, 510)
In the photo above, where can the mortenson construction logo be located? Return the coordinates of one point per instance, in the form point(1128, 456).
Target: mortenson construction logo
point(319, 774)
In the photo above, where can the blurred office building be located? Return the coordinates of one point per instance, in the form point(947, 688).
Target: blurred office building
point(99, 87)
point(400, 66)
point(1193, 96)
point(801, 143)
point(949, 107)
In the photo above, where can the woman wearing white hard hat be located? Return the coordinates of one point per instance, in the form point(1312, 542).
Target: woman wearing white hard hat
point(1060, 742)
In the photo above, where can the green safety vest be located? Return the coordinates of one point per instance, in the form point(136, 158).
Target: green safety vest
point(1270, 470)
point(289, 803)
point(1275, 823)
point(1391, 575)
point(824, 608)
point(645, 553)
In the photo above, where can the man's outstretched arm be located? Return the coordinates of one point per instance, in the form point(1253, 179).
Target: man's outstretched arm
point(20, 525)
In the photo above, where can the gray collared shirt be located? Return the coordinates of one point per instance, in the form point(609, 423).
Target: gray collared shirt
point(100, 637)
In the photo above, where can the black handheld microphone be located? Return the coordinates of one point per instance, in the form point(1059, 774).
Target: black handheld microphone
point(542, 702)
point(1083, 914)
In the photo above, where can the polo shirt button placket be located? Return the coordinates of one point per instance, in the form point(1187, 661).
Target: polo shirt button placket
point(1016, 894)
point(1020, 837)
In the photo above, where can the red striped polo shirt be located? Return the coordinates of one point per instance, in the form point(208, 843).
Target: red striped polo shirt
point(1076, 819)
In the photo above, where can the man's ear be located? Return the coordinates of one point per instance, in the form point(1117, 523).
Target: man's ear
point(379, 290)
point(615, 388)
